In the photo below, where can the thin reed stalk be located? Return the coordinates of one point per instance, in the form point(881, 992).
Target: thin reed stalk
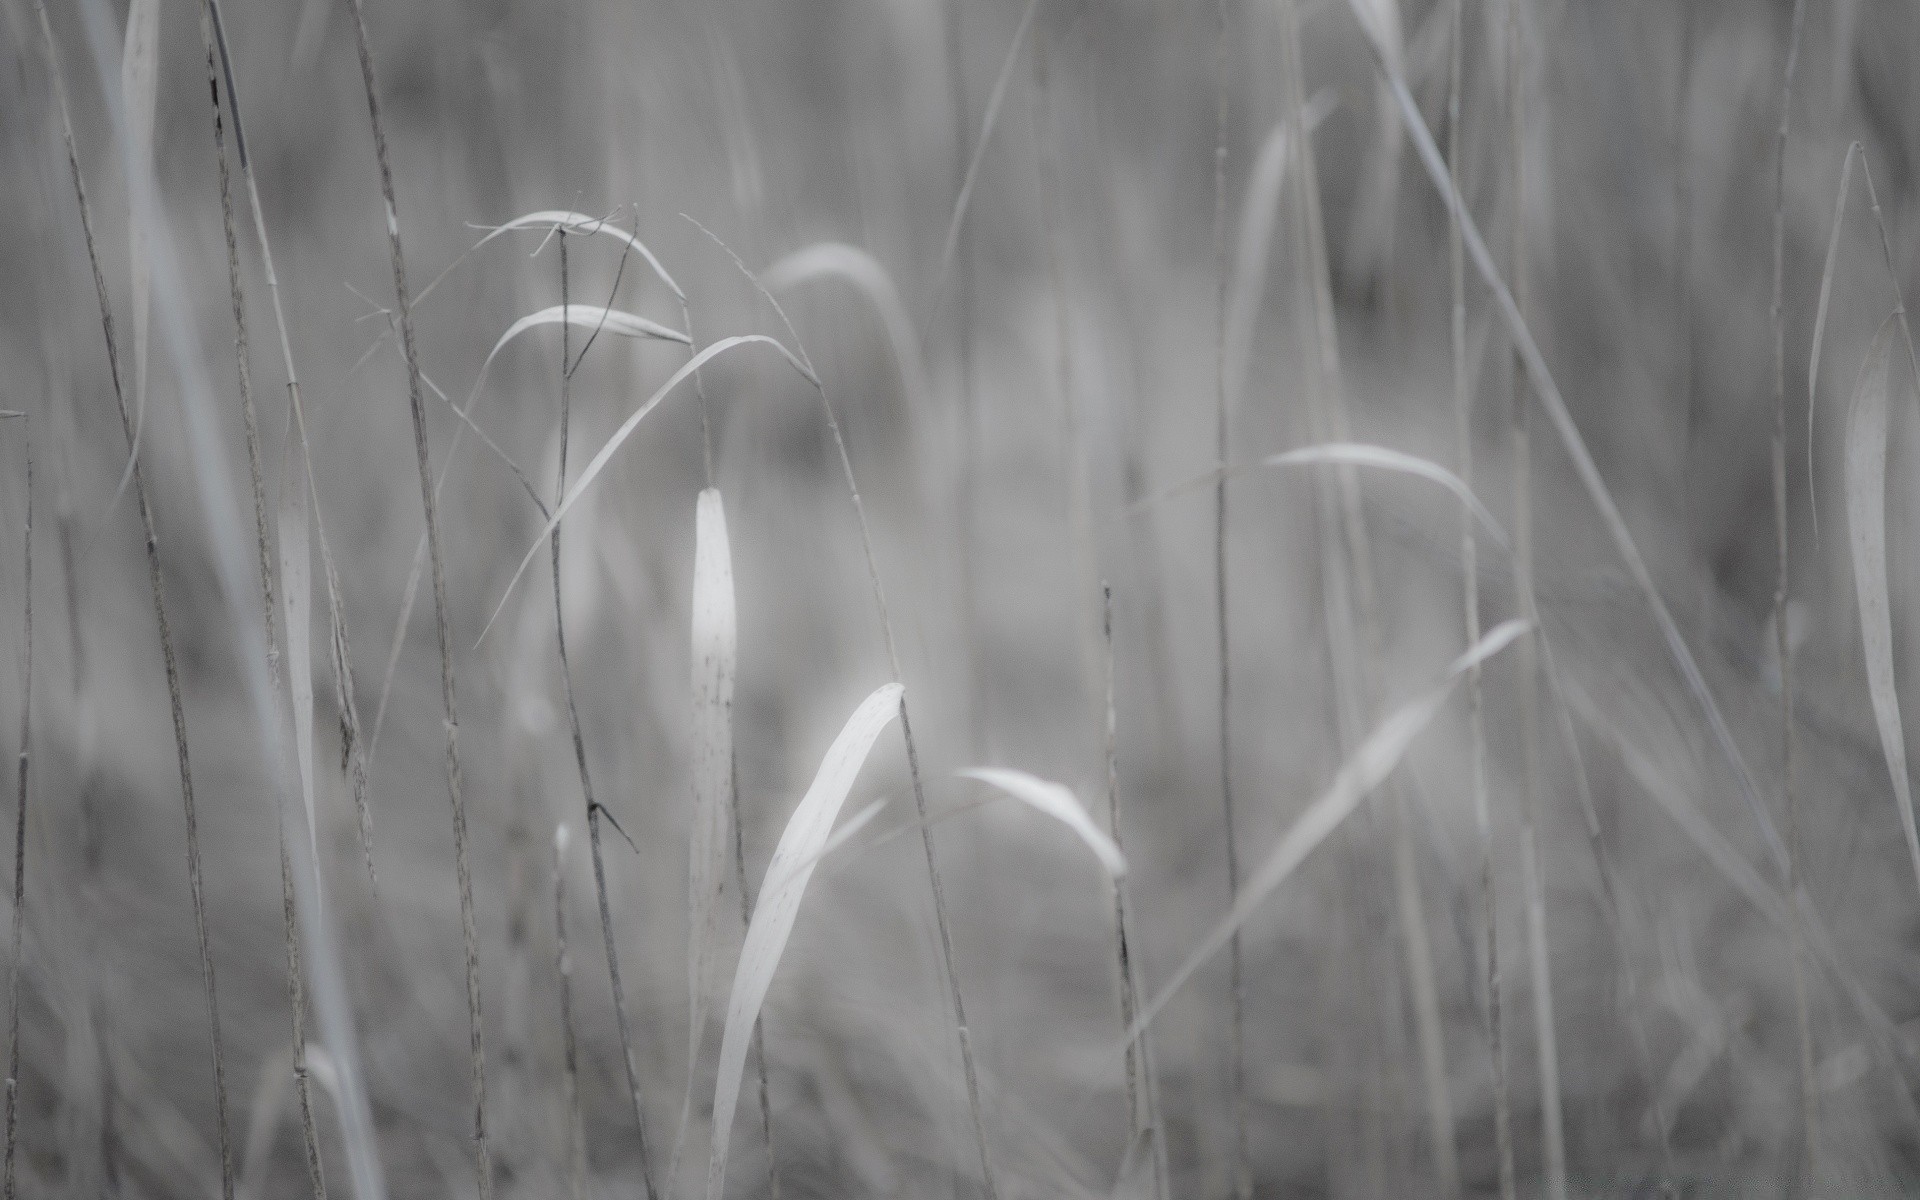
point(17, 940)
point(1809, 1090)
point(1365, 684)
point(1493, 1012)
point(1143, 1101)
point(175, 702)
point(962, 1034)
point(573, 711)
point(477, 1055)
point(1236, 980)
point(759, 1029)
point(263, 539)
point(964, 468)
point(569, 1045)
point(1521, 437)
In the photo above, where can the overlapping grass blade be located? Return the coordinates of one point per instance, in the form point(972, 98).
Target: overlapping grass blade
point(619, 438)
point(1867, 538)
point(779, 904)
point(1055, 800)
point(1547, 391)
point(1368, 767)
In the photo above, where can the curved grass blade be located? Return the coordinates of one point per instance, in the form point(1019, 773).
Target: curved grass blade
point(1359, 454)
point(1369, 767)
point(825, 260)
point(619, 439)
point(553, 221)
point(1867, 537)
point(1057, 801)
point(807, 831)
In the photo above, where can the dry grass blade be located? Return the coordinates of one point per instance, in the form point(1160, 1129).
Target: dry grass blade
point(779, 904)
point(826, 260)
point(619, 438)
point(1368, 767)
point(559, 221)
point(1055, 800)
point(1867, 538)
point(139, 89)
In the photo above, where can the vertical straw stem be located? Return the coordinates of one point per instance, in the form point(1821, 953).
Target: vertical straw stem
point(569, 1045)
point(263, 545)
point(20, 833)
point(1809, 1100)
point(1493, 1013)
point(1521, 433)
point(573, 716)
point(1236, 982)
point(476, 1043)
point(1310, 232)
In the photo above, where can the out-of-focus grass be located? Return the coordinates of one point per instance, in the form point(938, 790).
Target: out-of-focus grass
point(819, 137)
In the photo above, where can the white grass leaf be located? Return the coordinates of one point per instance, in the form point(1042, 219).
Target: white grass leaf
point(826, 260)
point(1057, 801)
point(296, 595)
point(1369, 766)
point(1381, 458)
point(591, 317)
point(619, 439)
point(1867, 537)
point(807, 831)
point(139, 89)
point(555, 220)
point(714, 656)
point(1360, 454)
point(585, 226)
point(1820, 321)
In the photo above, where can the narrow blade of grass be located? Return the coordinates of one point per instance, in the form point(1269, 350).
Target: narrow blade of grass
point(1867, 537)
point(807, 831)
point(1369, 766)
point(1055, 800)
point(139, 89)
point(296, 595)
point(1820, 321)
